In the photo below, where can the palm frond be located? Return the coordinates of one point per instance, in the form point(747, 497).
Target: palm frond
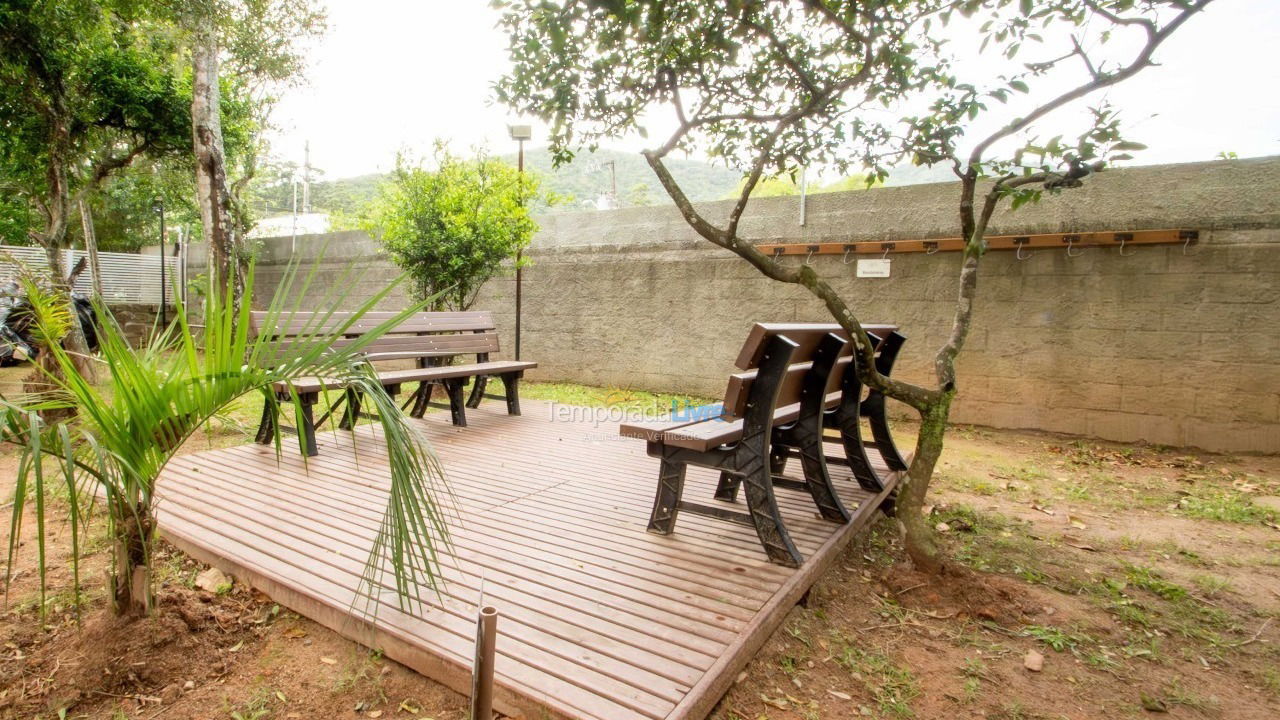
point(153, 399)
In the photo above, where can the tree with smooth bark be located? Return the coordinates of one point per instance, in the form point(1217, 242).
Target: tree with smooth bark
point(772, 86)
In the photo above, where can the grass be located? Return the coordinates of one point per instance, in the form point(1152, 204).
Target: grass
point(1225, 506)
point(892, 686)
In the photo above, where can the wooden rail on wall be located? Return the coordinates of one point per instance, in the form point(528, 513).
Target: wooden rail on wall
point(1070, 241)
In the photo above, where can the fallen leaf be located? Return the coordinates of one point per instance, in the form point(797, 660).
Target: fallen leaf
point(294, 633)
point(406, 706)
point(375, 713)
point(779, 703)
point(1045, 510)
point(328, 661)
point(840, 695)
point(236, 647)
point(280, 696)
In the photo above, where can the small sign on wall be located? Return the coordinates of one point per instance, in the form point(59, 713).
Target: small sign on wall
point(875, 268)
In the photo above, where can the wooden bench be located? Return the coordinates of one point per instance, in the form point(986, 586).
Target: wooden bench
point(846, 404)
point(774, 410)
point(737, 442)
point(432, 339)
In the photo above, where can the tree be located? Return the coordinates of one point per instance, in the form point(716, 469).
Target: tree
point(451, 228)
point(260, 40)
point(158, 397)
point(773, 86)
point(87, 89)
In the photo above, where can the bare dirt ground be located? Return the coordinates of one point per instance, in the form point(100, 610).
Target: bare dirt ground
point(1147, 580)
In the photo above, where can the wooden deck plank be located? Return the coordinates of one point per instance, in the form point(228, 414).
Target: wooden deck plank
point(600, 618)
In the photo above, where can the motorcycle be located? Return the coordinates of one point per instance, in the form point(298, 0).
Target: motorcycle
point(17, 341)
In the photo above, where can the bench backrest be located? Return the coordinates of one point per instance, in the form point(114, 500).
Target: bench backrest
point(421, 335)
point(807, 337)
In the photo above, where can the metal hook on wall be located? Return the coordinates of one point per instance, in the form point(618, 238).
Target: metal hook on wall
point(931, 248)
point(1189, 237)
point(1020, 242)
point(808, 259)
point(1071, 240)
point(845, 260)
point(1124, 238)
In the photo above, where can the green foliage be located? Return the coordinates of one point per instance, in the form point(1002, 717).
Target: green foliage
point(451, 227)
point(156, 398)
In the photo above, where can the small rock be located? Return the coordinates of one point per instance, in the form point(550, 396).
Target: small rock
point(169, 693)
point(1270, 502)
point(189, 685)
point(1033, 661)
point(942, 527)
point(213, 580)
point(741, 676)
point(840, 695)
point(1049, 610)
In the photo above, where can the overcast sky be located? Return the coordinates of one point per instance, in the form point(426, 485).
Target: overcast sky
point(396, 74)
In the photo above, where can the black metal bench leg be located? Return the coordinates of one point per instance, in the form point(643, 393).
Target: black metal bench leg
point(777, 460)
point(666, 504)
point(351, 414)
point(307, 428)
point(511, 383)
point(267, 425)
point(457, 406)
point(477, 392)
point(874, 408)
point(816, 477)
point(765, 516)
point(421, 400)
point(856, 453)
point(727, 489)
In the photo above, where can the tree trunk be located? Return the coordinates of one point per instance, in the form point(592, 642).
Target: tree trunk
point(130, 581)
point(917, 533)
point(91, 249)
point(212, 192)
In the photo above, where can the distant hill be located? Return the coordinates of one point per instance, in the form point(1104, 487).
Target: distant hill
point(588, 177)
point(580, 184)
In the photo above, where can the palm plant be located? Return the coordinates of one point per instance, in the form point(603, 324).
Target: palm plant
point(124, 432)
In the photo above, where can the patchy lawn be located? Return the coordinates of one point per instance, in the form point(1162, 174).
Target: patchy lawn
point(1147, 580)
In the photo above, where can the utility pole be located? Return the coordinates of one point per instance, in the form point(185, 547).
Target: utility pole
point(306, 177)
point(519, 133)
point(158, 206)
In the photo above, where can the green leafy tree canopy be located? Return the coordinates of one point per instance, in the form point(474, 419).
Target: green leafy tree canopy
point(451, 227)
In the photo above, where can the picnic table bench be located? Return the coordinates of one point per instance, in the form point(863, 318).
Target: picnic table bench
point(797, 380)
point(432, 339)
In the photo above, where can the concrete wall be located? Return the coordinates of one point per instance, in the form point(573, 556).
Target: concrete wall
point(1162, 346)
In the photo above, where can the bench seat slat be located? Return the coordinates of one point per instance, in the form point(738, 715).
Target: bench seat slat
point(397, 377)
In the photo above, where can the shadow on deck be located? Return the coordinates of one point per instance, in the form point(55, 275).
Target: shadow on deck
point(599, 619)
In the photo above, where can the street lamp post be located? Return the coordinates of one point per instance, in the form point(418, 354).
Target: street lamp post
point(519, 133)
point(158, 206)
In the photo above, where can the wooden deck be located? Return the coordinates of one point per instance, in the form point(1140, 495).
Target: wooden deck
point(598, 618)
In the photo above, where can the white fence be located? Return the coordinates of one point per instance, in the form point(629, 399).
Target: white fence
point(126, 278)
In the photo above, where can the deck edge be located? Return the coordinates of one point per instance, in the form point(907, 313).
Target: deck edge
point(708, 691)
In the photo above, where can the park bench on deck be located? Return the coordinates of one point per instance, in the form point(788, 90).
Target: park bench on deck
point(799, 377)
point(432, 339)
point(846, 405)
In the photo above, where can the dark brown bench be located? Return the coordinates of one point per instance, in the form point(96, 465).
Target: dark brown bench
point(737, 443)
point(778, 409)
point(847, 402)
point(432, 339)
